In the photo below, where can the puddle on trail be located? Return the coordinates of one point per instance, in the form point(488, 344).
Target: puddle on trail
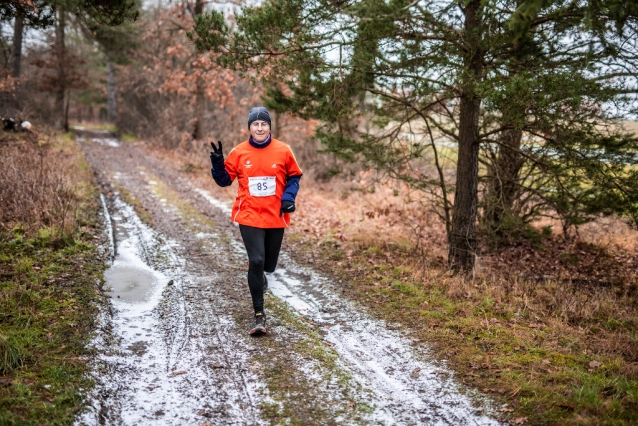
point(129, 278)
point(132, 388)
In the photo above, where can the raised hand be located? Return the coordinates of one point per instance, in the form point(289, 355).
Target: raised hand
point(217, 155)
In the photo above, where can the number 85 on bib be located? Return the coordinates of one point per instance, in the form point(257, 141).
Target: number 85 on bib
point(262, 186)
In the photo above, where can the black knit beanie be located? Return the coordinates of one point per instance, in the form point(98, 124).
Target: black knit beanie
point(258, 113)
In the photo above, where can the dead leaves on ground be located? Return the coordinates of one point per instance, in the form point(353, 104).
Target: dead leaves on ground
point(557, 259)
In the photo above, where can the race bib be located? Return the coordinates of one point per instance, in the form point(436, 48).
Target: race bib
point(262, 186)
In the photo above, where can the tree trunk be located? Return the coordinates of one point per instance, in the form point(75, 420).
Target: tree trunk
point(199, 7)
point(111, 114)
point(60, 109)
point(18, 29)
point(66, 111)
point(274, 130)
point(503, 189)
point(200, 96)
point(16, 55)
point(463, 236)
point(200, 110)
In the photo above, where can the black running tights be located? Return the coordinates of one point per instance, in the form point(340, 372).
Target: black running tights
point(262, 246)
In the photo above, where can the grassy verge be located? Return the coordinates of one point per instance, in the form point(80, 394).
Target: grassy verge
point(555, 354)
point(49, 271)
point(185, 210)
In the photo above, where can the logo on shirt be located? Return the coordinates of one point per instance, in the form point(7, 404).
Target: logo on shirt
point(248, 165)
point(274, 166)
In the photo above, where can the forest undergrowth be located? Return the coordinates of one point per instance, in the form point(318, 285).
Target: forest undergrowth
point(50, 272)
point(547, 326)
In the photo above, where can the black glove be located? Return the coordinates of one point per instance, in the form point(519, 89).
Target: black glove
point(217, 155)
point(287, 206)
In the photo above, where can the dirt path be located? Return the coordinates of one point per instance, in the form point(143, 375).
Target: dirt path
point(173, 348)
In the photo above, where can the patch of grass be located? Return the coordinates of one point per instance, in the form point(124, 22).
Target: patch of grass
point(10, 356)
point(67, 137)
point(189, 214)
point(570, 258)
point(137, 205)
point(49, 271)
point(373, 250)
point(128, 137)
point(48, 298)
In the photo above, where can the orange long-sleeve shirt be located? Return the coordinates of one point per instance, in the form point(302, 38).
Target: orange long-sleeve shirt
point(261, 174)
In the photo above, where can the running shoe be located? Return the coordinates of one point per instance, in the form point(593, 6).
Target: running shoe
point(260, 325)
point(265, 284)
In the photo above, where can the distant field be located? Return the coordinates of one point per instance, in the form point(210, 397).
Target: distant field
point(632, 126)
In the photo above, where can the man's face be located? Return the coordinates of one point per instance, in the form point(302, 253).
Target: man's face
point(259, 130)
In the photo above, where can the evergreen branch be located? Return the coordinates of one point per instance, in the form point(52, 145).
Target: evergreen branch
point(492, 132)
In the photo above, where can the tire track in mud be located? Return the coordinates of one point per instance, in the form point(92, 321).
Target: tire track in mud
point(314, 368)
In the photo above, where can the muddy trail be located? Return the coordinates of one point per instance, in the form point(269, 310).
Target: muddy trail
point(173, 347)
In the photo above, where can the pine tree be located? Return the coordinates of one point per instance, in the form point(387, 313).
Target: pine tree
point(117, 43)
point(392, 81)
point(43, 13)
point(567, 65)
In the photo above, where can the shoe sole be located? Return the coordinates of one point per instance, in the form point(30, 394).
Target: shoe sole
point(258, 331)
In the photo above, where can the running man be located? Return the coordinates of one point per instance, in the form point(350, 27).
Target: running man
point(268, 176)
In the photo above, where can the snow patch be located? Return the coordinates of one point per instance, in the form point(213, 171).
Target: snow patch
point(112, 142)
point(224, 207)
